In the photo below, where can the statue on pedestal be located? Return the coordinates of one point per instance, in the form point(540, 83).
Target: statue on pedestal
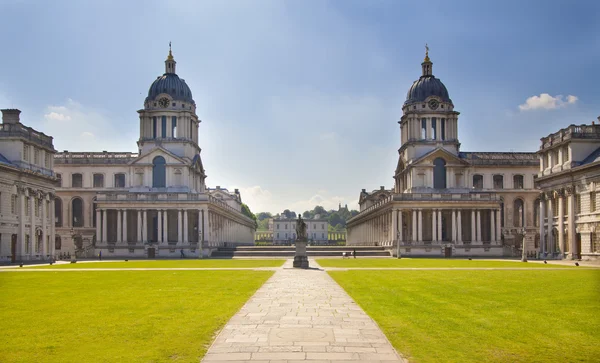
point(300, 258)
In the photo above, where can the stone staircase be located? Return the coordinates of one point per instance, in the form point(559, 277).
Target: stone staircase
point(288, 251)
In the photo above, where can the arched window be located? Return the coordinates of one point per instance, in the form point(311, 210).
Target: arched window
point(158, 172)
point(518, 213)
point(178, 181)
point(58, 219)
point(57, 243)
point(77, 208)
point(439, 173)
point(478, 181)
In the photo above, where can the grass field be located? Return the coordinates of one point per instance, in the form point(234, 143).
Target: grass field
point(483, 316)
point(426, 262)
point(118, 316)
point(170, 264)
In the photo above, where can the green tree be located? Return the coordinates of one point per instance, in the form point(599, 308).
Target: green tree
point(246, 211)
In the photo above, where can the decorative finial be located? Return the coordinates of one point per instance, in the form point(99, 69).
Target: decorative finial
point(427, 53)
point(170, 57)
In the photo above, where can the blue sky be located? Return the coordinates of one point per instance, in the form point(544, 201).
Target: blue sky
point(300, 99)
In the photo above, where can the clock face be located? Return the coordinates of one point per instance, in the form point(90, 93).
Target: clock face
point(433, 104)
point(163, 102)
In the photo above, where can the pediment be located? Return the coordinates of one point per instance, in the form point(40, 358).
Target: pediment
point(450, 158)
point(170, 158)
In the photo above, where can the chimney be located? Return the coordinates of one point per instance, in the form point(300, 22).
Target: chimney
point(10, 116)
point(218, 187)
point(236, 191)
point(382, 187)
point(364, 190)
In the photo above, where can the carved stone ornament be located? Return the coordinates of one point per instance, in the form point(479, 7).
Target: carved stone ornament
point(570, 190)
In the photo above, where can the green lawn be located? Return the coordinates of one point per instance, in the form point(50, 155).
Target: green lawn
point(170, 264)
point(118, 316)
point(426, 262)
point(483, 316)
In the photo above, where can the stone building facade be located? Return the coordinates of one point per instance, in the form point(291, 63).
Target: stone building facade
point(154, 203)
point(284, 230)
point(27, 185)
point(568, 216)
point(446, 202)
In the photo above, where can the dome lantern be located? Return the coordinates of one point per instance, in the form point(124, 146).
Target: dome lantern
point(427, 65)
point(170, 62)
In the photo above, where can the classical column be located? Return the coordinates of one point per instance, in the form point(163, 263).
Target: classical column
point(44, 226)
point(185, 227)
point(414, 225)
point(542, 225)
point(571, 223)
point(179, 227)
point(32, 236)
point(139, 226)
point(420, 230)
point(433, 225)
point(104, 226)
point(125, 226)
point(459, 226)
point(166, 226)
point(98, 225)
point(22, 212)
point(549, 212)
point(52, 225)
point(473, 231)
point(492, 226)
point(439, 225)
point(453, 226)
point(145, 226)
point(119, 225)
point(394, 225)
point(401, 226)
point(561, 222)
point(498, 225)
point(159, 220)
point(478, 225)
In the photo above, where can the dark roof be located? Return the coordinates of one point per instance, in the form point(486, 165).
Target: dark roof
point(171, 84)
point(500, 158)
point(595, 156)
point(427, 86)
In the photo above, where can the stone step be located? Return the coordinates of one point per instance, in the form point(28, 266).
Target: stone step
point(290, 253)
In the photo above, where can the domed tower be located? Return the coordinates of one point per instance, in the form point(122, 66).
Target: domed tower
point(169, 118)
point(429, 120)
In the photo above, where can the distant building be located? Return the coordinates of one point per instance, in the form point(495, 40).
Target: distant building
point(284, 230)
point(567, 212)
point(27, 185)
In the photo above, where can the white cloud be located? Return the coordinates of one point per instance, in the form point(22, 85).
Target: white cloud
point(57, 116)
point(257, 198)
point(546, 102)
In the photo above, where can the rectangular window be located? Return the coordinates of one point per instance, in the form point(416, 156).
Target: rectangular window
point(595, 242)
point(478, 181)
point(164, 126)
point(286, 226)
point(36, 156)
point(36, 205)
point(577, 203)
point(592, 201)
point(26, 153)
point(13, 204)
point(443, 129)
point(59, 177)
point(434, 128)
point(119, 180)
point(323, 226)
point(98, 181)
point(48, 161)
point(518, 182)
point(76, 181)
point(174, 126)
point(26, 206)
point(322, 235)
point(154, 127)
point(498, 182)
point(423, 128)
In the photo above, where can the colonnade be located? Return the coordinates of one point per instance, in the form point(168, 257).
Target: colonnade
point(427, 226)
point(35, 208)
point(548, 244)
point(152, 225)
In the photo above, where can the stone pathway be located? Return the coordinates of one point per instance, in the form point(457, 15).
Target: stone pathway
point(301, 315)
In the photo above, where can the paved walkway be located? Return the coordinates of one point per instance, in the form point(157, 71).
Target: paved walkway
point(301, 315)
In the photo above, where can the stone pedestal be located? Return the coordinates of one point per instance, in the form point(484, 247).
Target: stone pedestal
point(300, 258)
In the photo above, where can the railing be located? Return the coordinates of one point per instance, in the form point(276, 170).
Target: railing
point(94, 157)
point(32, 167)
point(149, 197)
point(571, 132)
point(19, 130)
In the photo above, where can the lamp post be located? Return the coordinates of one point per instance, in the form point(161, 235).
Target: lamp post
point(523, 232)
